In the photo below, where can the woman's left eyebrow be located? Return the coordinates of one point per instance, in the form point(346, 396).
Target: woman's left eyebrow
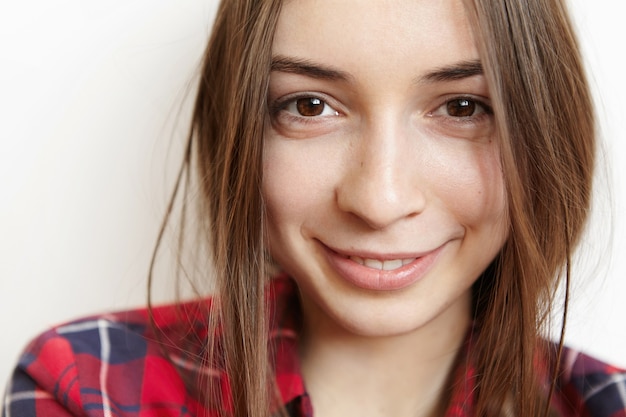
point(454, 72)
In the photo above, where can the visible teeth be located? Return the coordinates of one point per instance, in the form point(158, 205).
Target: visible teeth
point(357, 260)
point(390, 265)
point(374, 263)
point(387, 265)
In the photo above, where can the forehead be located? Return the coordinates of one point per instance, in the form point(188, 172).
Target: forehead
point(387, 35)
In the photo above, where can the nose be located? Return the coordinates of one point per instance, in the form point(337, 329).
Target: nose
point(381, 184)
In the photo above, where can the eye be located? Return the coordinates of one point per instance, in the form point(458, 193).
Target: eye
point(462, 116)
point(462, 108)
point(309, 107)
point(305, 114)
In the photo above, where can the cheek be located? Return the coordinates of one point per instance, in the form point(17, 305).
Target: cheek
point(300, 177)
point(277, 191)
point(279, 201)
point(293, 183)
point(470, 183)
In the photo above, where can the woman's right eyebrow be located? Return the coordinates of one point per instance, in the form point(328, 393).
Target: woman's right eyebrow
point(308, 68)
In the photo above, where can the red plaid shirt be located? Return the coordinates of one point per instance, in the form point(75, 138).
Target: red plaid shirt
point(116, 365)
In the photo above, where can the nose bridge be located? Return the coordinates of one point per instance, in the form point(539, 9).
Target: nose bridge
point(380, 185)
point(380, 163)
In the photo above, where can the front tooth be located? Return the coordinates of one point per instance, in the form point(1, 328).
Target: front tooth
point(373, 263)
point(391, 265)
point(358, 260)
point(388, 265)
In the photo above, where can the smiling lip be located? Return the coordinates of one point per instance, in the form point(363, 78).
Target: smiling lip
point(382, 273)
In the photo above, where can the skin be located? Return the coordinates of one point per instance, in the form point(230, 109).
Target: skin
point(376, 149)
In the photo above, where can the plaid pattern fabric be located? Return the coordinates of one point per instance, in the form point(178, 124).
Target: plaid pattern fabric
point(117, 365)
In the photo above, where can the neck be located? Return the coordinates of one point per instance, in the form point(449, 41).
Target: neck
point(399, 375)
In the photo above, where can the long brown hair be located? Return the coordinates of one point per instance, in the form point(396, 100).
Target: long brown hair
point(545, 122)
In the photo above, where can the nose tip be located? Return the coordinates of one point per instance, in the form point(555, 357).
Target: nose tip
point(380, 195)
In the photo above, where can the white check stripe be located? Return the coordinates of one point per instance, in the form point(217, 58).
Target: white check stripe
point(7, 398)
point(621, 388)
point(78, 327)
point(617, 380)
point(105, 353)
point(29, 395)
point(102, 325)
point(21, 396)
point(89, 325)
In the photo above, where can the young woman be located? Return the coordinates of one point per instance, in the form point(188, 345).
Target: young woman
point(419, 173)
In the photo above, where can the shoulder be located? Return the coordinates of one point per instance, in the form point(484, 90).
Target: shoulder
point(594, 388)
point(116, 362)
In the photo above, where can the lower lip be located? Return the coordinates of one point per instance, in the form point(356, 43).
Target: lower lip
point(381, 280)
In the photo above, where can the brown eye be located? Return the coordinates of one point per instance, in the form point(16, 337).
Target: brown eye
point(307, 106)
point(310, 106)
point(461, 107)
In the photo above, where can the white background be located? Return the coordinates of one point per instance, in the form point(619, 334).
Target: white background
point(89, 95)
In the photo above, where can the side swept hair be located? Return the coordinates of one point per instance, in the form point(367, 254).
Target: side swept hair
point(546, 125)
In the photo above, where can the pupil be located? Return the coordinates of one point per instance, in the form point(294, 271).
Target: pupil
point(461, 108)
point(310, 106)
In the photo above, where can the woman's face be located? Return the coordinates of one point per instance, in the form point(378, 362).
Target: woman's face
point(382, 178)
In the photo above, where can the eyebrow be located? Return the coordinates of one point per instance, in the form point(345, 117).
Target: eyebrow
point(454, 72)
point(308, 68)
point(457, 71)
